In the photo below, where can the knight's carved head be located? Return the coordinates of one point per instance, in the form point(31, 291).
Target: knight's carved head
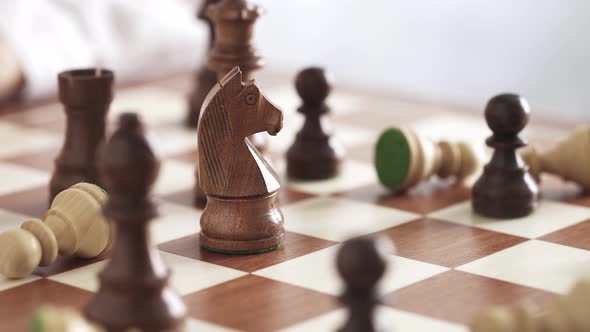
point(251, 111)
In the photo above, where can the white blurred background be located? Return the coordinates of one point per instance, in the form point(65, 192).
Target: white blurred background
point(457, 51)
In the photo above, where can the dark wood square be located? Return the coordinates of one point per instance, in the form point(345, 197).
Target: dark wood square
point(17, 305)
point(459, 296)
point(573, 236)
point(295, 245)
point(447, 244)
point(31, 202)
point(253, 303)
point(425, 198)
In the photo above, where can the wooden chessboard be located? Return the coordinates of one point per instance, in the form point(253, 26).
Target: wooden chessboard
point(449, 264)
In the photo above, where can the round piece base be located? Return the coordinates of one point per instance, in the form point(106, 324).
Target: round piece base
point(393, 159)
point(510, 210)
point(242, 225)
point(312, 170)
point(245, 247)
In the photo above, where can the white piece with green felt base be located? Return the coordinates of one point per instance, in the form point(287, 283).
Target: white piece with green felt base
point(403, 159)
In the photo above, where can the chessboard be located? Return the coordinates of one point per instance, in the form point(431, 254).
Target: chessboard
point(449, 264)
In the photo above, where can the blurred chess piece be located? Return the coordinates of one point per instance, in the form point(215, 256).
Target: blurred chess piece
point(503, 319)
point(569, 313)
point(86, 95)
point(73, 226)
point(204, 78)
point(361, 263)
point(314, 155)
point(233, 30)
point(233, 23)
point(569, 159)
point(403, 159)
point(505, 189)
point(134, 290)
point(57, 319)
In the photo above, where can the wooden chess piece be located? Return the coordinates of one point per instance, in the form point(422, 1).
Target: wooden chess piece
point(48, 318)
point(361, 263)
point(314, 155)
point(568, 312)
point(496, 319)
point(204, 78)
point(242, 213)
point(403, 159)
point(134, 291)
point(233, 23)
point(86, 95)
point(73, 226)
point(503, 319)
point(569, 159)
point(505, 189)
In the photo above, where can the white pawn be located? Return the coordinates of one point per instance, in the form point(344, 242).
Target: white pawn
point(73, 226)
point(403, 159)
point(569, 159)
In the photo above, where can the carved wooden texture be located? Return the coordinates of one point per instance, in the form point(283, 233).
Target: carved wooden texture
point(229, 164)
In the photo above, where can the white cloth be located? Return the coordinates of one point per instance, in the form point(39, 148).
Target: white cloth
point(137, 39)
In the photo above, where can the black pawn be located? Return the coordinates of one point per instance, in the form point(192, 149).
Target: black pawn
point(314, 155)
point(361, 264)
point(505, 189)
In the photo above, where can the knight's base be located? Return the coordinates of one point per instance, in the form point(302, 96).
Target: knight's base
point(215, 245)
point(242, 226)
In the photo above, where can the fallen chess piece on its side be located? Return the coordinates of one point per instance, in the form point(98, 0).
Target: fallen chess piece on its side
point(73, 226)
point(404, 159)
point(569, 313)
point(57, 319)
point(569, 159)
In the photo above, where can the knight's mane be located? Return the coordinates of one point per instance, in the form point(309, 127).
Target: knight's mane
point(230, 76)
point(214, 127)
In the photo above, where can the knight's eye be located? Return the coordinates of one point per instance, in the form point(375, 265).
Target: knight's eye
point(251, 99)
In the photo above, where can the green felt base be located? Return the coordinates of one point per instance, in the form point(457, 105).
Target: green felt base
point(392, 158)
point(246, 252)
point(37, 323)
